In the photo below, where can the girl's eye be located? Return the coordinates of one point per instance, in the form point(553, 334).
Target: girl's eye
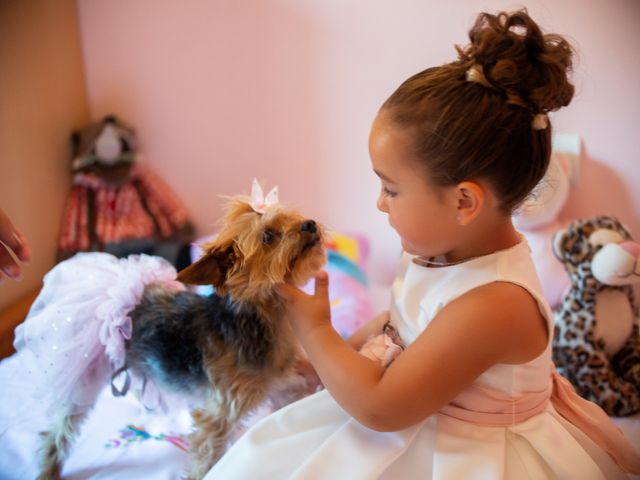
point(268, 237)
point(388, 192)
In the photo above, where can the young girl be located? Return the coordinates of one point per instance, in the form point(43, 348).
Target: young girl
point(473, 393)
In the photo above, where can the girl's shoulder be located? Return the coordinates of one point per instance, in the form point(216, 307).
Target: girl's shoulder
point(504, 316)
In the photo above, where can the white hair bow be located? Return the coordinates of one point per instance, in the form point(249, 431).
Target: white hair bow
point(258, 201)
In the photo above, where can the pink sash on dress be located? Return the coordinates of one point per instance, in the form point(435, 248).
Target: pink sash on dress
point(486, 406)
point(494, 408)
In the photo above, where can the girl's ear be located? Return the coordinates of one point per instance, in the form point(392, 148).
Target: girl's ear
point(471, 197)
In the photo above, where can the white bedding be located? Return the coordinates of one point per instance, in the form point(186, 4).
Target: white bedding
point(119, 440)
point(122, 440)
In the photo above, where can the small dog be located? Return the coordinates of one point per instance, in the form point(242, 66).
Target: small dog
point(233, 348)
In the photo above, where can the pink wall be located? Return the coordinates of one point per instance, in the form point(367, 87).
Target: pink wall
point(222, 91)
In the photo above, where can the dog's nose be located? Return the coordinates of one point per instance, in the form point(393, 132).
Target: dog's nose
point(309, 226)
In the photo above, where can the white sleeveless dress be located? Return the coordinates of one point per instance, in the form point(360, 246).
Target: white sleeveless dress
point(315, 439)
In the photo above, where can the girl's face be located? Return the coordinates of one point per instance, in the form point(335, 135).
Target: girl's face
point(424, 215)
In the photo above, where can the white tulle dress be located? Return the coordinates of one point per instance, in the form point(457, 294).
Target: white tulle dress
point(490, 431)
point(74, 335)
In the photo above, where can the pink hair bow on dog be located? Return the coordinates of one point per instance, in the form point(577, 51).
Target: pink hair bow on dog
point(258, 201)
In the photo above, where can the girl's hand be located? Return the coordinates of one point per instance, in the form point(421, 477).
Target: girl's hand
point(306, 312)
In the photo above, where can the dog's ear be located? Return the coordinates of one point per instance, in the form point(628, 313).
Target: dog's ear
point(210, 269)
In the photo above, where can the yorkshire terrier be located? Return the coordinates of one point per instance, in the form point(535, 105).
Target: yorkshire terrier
point(233, 348)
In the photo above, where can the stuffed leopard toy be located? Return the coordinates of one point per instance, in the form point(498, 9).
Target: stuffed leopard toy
point(596, 343)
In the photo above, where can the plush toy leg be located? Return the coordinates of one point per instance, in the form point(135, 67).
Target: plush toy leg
point(627, 360)
point(596, 380)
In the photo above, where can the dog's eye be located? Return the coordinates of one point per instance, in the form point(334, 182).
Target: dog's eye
point(268, 236)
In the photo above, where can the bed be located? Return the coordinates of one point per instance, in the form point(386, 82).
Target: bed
point(122, 439)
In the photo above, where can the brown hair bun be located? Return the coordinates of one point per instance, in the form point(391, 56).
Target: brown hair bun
point(531, 68)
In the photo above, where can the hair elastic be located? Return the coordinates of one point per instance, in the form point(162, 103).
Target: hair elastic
point(540, 121)
point(475, 74)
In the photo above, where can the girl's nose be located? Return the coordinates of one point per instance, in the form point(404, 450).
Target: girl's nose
point(381, 203)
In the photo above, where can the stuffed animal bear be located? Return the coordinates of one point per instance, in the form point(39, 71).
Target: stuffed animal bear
point(596, 343)
point(117, 204)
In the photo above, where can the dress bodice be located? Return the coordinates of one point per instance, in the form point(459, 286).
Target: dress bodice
point(420, 292)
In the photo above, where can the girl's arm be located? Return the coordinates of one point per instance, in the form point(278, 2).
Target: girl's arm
point(356, 341)
point(495, 323)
